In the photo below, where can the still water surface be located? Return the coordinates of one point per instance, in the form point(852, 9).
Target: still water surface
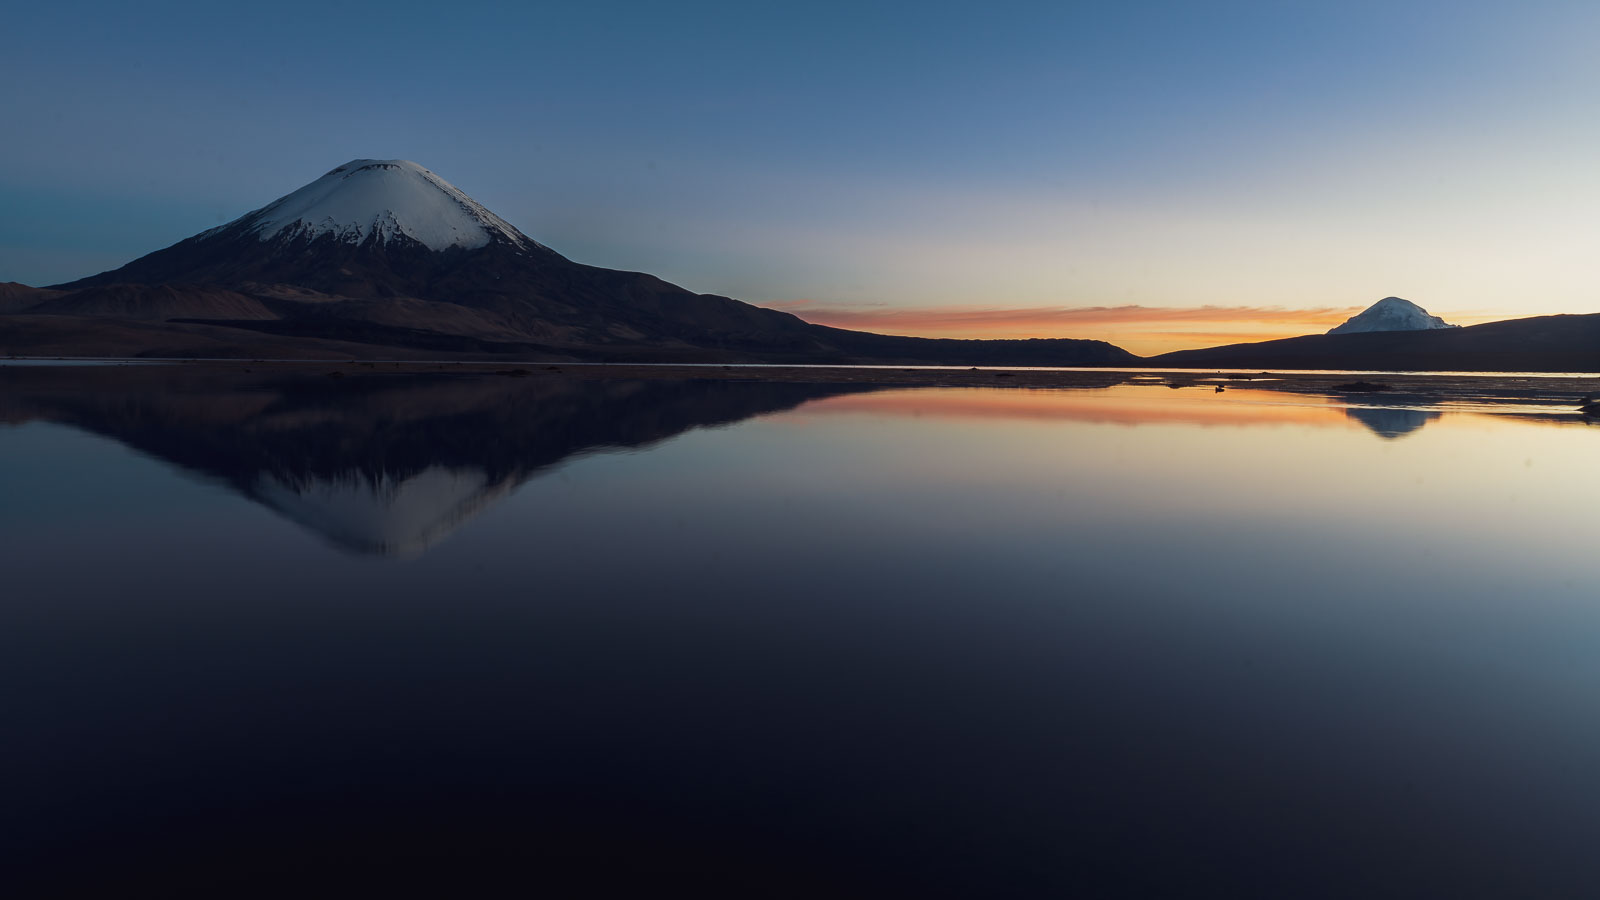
point(793, 640)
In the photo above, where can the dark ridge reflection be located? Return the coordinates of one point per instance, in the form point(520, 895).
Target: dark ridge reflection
point(379, 463)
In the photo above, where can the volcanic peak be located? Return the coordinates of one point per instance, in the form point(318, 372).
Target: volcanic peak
point(1391, 314)
point(381, 199)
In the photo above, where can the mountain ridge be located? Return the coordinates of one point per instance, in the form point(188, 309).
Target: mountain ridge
point(377, 252)
point(385, 259)
point(1557, 343)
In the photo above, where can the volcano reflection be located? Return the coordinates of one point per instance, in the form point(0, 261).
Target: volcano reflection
point(390, 463)
point(378, 512)
point(379, 463)
point(1388, 422)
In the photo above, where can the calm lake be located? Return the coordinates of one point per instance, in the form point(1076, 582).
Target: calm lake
point(258, 632)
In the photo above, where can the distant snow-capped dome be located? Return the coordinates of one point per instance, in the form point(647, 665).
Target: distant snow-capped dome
point(382, 198)
point(1391, 314)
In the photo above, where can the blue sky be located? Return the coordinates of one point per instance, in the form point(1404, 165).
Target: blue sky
point(849, 158)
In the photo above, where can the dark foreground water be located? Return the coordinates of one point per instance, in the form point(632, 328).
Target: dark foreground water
point(511, 637)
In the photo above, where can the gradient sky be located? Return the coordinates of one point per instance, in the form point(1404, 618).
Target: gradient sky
point(1156, 174)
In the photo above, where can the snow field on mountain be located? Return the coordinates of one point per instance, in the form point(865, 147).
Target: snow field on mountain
point(386, 198)
point(1390, 314)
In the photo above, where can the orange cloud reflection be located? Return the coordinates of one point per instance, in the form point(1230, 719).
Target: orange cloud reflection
point(1125, 405)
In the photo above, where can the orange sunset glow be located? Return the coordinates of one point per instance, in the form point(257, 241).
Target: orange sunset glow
point(1143, 330)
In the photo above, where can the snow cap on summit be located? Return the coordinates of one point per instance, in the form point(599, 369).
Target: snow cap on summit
point(1391, 314)
point(385, 199)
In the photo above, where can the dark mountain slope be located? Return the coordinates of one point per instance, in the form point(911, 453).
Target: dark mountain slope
point(155, 301)
point(16, 297)
point(1540, 344)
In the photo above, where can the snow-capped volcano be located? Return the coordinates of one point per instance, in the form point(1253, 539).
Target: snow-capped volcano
point(383, 253)
point(367, 229)
point(1391, 314)
point(385, 199)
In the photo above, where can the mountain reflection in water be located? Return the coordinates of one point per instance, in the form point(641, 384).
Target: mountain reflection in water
point(383, 464)
point(793, 640)
point(390, 464)
point(1391, 423)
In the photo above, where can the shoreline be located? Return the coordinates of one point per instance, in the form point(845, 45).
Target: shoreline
point(1543, 389)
